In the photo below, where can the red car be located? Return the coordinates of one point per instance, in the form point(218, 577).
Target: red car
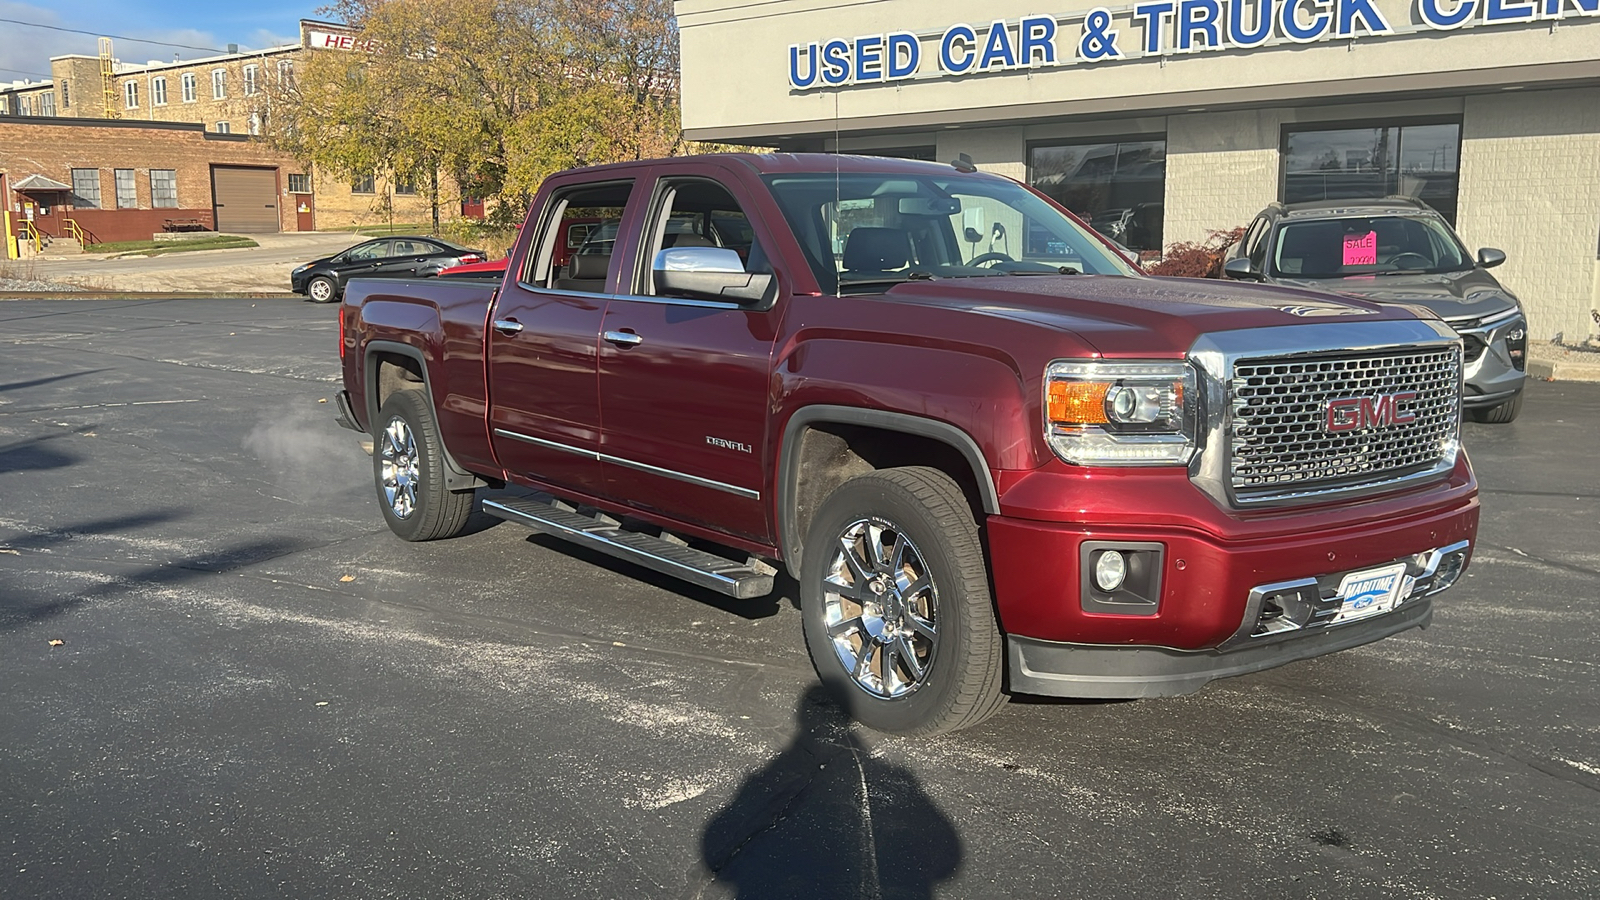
point(990, 451)
point(574, 233)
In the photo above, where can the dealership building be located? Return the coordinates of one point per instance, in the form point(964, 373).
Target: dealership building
point(1164, 120)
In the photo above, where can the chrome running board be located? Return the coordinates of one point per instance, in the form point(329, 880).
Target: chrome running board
point(742, 581)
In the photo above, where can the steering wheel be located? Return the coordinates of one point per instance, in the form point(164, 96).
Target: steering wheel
point(990, 257)
point(1410, 261)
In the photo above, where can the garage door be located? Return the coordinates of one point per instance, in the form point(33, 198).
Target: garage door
point(246, 199)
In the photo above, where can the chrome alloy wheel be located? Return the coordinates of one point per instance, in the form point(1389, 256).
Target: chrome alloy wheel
point(881, 609)
point(398, 448)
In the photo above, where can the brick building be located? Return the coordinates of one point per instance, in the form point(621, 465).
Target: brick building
point(221, 101)
point(1161, 121)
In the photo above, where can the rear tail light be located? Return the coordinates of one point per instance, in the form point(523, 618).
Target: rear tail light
point(341, 332)
point(470, 258)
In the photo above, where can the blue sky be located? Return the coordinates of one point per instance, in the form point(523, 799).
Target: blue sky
point(25, 51)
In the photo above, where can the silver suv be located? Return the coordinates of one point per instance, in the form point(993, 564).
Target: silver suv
point(1399, 250)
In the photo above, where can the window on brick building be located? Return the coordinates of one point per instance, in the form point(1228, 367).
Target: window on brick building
point(363, 184)
point(85, 188)
point(405, 184)
point(251, 74)
point(47, 104)
point(158, 91)
point(1416, 159)
point(299, 183)
point(66, 98)
point(224, 128)
point(127, 191)
point(163, 188)
point(187, 80)
point(219, 84)
point(1119, 186)
point(23, 108)
point(130, 93)
point(286, 73)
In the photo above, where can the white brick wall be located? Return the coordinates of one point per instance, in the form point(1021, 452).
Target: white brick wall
point(1222, 168)
point(1530, 185)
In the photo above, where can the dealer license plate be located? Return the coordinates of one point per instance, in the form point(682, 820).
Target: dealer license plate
point(1370, 592)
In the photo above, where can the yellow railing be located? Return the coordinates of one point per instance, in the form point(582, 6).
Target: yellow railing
point(75, 231)
point(31, 232)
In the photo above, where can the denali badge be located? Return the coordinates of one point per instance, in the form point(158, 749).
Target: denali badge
point(727, 444)
point(1356, 413)
point(1319, 311)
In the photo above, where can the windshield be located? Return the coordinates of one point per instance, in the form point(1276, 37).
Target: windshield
point(1367, 245)
point(865, 233)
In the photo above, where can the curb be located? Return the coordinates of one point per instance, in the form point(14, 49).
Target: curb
point(1554, 362)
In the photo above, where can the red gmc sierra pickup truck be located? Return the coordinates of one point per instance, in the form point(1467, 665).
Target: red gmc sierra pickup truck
point(994, 455)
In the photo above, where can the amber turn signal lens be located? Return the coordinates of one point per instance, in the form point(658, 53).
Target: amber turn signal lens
point(1078, 402)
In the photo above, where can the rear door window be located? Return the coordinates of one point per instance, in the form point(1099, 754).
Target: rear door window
point(585, 270)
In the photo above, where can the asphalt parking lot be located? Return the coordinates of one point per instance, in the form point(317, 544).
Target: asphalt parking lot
point(259, 692)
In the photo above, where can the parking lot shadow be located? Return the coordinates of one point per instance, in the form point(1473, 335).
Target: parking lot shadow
point(826, 818)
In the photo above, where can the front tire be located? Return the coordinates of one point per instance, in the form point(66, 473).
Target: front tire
point(895, 604)
point(1500, 415)
point(408, 470)
point(321, 289)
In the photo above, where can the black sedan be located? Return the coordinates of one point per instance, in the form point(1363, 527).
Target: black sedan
point(323, 280)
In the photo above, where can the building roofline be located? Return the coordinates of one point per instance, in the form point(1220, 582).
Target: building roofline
point(72, 122)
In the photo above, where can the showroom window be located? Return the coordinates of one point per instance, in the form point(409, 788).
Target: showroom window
point(1118, 187)
point(1413, 159)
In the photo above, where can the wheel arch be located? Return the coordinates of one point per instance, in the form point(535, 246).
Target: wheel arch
point(391, 366)
point(826, 445)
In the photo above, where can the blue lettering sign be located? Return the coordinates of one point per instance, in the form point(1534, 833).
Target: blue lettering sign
point(1553, 8)
point(835, 62)
point(1099, 39)
point(810, 76)
point(953, 59)
point(1372, 21)
point(1037, 35)
point(869, 58)
point(1437, 18)
point(1238, 37)
point(997, 49)
point(1154, 16)
point(905, 54)
point(1199, 17)
point(1504, 11)
point(1289, 21)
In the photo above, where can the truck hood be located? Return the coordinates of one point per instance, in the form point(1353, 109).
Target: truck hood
point(1469, 294)
point(1133, 316)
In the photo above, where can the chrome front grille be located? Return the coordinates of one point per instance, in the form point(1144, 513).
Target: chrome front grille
point(1280, 445)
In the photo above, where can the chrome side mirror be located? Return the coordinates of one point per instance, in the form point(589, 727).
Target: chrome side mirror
point(712, 273)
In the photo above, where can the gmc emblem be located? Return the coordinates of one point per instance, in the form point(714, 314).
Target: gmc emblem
point(1357, 413)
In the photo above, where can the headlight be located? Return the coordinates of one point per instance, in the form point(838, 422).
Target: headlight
point(299, 270)
point(1104, 413)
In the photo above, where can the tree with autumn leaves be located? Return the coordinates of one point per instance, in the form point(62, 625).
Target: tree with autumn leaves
point(487, 97)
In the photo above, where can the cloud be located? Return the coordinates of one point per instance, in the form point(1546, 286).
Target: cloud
point(28, 50)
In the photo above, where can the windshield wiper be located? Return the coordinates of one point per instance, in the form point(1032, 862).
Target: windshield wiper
point(1060, 270)
point(890, 281)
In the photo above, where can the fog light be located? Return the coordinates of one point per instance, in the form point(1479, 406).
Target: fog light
point(1110, 570)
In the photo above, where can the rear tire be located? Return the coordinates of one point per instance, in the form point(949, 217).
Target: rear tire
point(408, 469)
point(321, 290)
point(895, 604)
point(1500, 415)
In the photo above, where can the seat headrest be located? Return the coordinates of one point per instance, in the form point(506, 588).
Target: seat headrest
point(873, 249)
point(588, 265)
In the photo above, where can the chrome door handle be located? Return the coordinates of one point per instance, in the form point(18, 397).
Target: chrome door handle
point(623, 338)
point(507, 326)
